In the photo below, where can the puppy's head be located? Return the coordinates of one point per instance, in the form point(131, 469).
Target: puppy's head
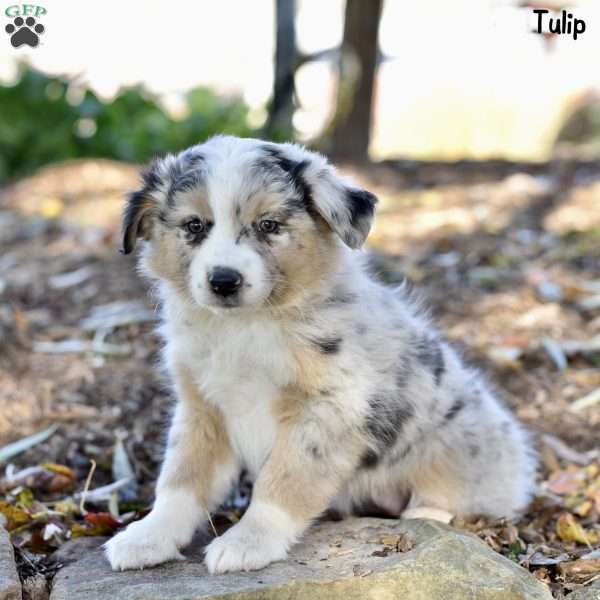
point(237, 223)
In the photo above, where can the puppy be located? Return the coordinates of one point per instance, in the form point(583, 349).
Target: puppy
point(290, 361)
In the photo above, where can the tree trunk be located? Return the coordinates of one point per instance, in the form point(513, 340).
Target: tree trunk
point(358, 58)
point(279, 122)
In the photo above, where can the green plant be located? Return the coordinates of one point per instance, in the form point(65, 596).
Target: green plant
point(48, 119)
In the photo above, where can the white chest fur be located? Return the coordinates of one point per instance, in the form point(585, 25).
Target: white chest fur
point(239, 365)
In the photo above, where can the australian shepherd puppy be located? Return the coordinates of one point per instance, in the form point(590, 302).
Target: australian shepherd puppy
point(290, 361)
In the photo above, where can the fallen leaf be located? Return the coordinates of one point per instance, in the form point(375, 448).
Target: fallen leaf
point(59, 483)
point(96, 524)
point(539, 559)
point(15, 516)
point(25, 498)
point(60, 470)
point(406, 544)
point(594, 495)
point(583, 509)
point(66, 507)
point(567, 482)
point(579, 570)
point(506, 356)
point(360, 571)
point(542, 574)
point(390, 540)
point(102, 518)
point(382, 553)
point(397, 542)
point(590, 400)
point(569, 530)
point(555, 352)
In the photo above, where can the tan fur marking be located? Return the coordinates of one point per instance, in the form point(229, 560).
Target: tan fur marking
point(311, 252)
point(292, 479)
point(292, 482)
point(198, 442)
point(311, 367)
point(164, 259)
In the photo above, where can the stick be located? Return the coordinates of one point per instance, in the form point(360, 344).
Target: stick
point(87, 486)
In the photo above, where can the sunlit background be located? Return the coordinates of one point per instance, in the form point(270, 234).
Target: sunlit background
point(466, 78)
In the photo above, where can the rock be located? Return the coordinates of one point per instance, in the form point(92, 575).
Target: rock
point(349, 560)
point(10, 586)
point(35, 588)
point(591, 592)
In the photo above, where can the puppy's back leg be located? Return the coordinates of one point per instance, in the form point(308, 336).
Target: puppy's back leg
point(196, 475)
point(479, 462)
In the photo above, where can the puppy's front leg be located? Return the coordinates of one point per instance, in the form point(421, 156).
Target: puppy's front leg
point(196, 474)
point(311, 459)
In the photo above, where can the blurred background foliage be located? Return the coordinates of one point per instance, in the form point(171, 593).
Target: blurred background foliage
point(47, 119)
point(580, 130)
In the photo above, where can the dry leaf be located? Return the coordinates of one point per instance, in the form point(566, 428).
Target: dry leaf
point(397, 542)
point(583, 509)
point(390, 540)
point(60, 470)
point(96, 524)
point(569, 530)
point(66, 507)
point(580, 570)
point(542, 574)
point(15, 517)
point(566, 482)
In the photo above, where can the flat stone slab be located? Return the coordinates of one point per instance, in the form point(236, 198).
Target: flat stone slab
point(591, 592)
point(10, 586)
point(353, 559)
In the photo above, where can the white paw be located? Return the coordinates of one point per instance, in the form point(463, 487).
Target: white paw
point(426, 512)
point(143, 544)
point(247, 546)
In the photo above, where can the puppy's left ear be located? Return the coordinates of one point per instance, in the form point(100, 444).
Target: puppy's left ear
point(345, 207)
point(136, 220)
point(142, 206)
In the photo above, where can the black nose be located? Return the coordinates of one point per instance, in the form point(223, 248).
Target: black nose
point(224, 281)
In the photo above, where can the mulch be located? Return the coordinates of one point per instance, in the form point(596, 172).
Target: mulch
point(506, 254)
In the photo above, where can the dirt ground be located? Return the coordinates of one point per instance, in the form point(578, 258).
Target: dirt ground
point(507, 255)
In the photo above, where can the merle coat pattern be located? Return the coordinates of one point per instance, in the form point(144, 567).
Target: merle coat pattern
point(290, 361)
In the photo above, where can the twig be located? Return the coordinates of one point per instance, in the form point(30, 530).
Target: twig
point(585, 402)
point(555, 352)
point(25, 443)
point(15, 479)
point(116, 314)
point(78, 346)
point(104, 492)
point(86, 487)
point(590, 303)
point(211, 523)
point(72, 278)
point(594, 578)
point(566, 453)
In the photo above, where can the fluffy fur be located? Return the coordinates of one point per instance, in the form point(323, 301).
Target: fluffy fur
point(333, 391)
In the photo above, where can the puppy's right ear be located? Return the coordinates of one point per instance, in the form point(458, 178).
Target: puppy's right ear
point(141, 207)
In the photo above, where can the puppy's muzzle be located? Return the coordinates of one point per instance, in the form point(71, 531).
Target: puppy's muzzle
point(224, 281)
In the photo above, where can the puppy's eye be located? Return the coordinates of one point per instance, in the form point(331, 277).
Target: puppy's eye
point(195, 226)
point(268, 226)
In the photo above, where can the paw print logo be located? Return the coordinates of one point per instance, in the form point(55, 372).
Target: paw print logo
point(24, 32)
